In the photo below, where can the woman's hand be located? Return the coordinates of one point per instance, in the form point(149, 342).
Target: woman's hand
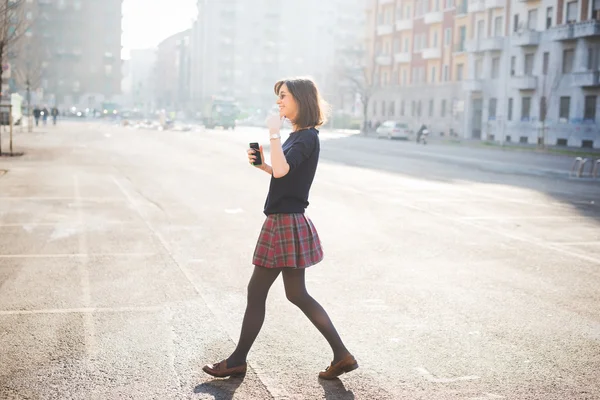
point(274, 123)
point(252, 158)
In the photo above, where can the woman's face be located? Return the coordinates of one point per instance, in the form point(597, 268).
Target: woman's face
point(288, 107)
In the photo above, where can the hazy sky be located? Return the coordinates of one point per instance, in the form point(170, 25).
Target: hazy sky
point(146, 25)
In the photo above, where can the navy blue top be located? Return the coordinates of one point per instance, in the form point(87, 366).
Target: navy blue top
point(289, 194)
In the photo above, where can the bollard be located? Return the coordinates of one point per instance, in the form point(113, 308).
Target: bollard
point(596, 168)
point(576, 163)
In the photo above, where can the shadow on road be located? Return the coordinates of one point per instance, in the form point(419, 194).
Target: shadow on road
point(335, 390)
point(444, 164)
point(221, 389)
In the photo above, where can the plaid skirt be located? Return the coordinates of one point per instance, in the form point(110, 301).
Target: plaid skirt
point(287, 241)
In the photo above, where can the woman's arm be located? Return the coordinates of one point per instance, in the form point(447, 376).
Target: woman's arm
point(280, 165)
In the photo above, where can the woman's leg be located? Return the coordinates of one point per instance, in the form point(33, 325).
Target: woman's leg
point(295, 290)
point(258, 289)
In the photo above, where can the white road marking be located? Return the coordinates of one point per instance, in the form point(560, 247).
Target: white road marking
point(442, 216)
point(84, 310)
point(83, 268)
point(274, 387)
point(432, 378)
point(77, 255)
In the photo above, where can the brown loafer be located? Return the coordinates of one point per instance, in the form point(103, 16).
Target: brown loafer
point(346, 365)
point(220, 370)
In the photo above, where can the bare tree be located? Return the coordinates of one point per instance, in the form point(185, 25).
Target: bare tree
point(550, 81)
point(29, 69)
point(355, 69)
point(12, 28)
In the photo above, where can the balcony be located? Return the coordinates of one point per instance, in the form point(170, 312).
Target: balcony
point(492, 4)
point(383, 60)
point(485, 44)
point(476, 6)
point(575, 30)
point(462, 9)
point(385, 30)
point(526, 82)
point(434, 17)
point(585, 79)
point(404, 25)
point(459, 47)
point(402, 58)
point(473, 85)
point(431, 53)
point(526, 38)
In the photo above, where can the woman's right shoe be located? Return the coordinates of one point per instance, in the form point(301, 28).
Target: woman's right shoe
point(347, 364)
point(220, 370)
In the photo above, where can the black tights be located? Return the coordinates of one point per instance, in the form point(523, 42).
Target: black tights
point(295, 290)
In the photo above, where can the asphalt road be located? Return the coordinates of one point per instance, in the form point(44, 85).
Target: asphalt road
point(450, 273)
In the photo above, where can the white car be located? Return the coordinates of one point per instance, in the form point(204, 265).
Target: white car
point(393, 130)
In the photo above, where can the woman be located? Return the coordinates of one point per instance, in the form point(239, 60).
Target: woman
point(288, 242)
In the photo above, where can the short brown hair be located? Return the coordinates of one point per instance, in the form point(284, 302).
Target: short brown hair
point(312, 109)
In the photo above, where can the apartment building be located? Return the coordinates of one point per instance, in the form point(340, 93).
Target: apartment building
point(512, 70)
point(417, 63)
point(240, 48)
point(79, 43)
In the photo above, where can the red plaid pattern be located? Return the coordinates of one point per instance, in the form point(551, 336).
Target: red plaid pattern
point(288, 240)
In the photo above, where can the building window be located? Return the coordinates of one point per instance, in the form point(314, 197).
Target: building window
point(532, 17)
point(568, 57)
point(592, 61)
point(565, 108)
point(478, 69)
point(435, 40)
point(404, 77)
point(589, 113)
point(516, 23)
point(374, 108)
point(498, 26)
point(443, 109)
point(549, 12)
point(433, 74)
point(525, 108)
point(406, 46)
point(402, 108)
point(448, 36)
point(529, 64)
point(510, 108)
point(446, 73)
point(383, 110)
point(419, 108)
point(572, 11)
point(492, 108)
point(495, 67)
point(392, 108)
point(459, 72)
point(431, 108)
point(546, 63)
point(413, 108)
point(480, 29)
point(513, 65)
point(543, 108)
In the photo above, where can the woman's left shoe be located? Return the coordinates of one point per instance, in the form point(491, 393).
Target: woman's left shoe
point(220, 370)
point(347, 364)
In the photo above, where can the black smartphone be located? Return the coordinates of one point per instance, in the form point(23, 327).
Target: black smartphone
point(256, 147)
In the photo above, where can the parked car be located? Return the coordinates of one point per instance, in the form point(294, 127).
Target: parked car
point(393, 130)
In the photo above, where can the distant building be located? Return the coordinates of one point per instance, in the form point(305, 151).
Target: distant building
point(75, 49)
point(172, 73)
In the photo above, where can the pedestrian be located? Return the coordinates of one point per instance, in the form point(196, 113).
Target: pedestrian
point(54, 115)
point(288, 242)
point(36, 114)
point(45, 115)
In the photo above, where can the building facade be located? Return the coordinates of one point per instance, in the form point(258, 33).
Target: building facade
point(511, 70)
point(172, 73)
point(241, 48)
point(73, 48)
